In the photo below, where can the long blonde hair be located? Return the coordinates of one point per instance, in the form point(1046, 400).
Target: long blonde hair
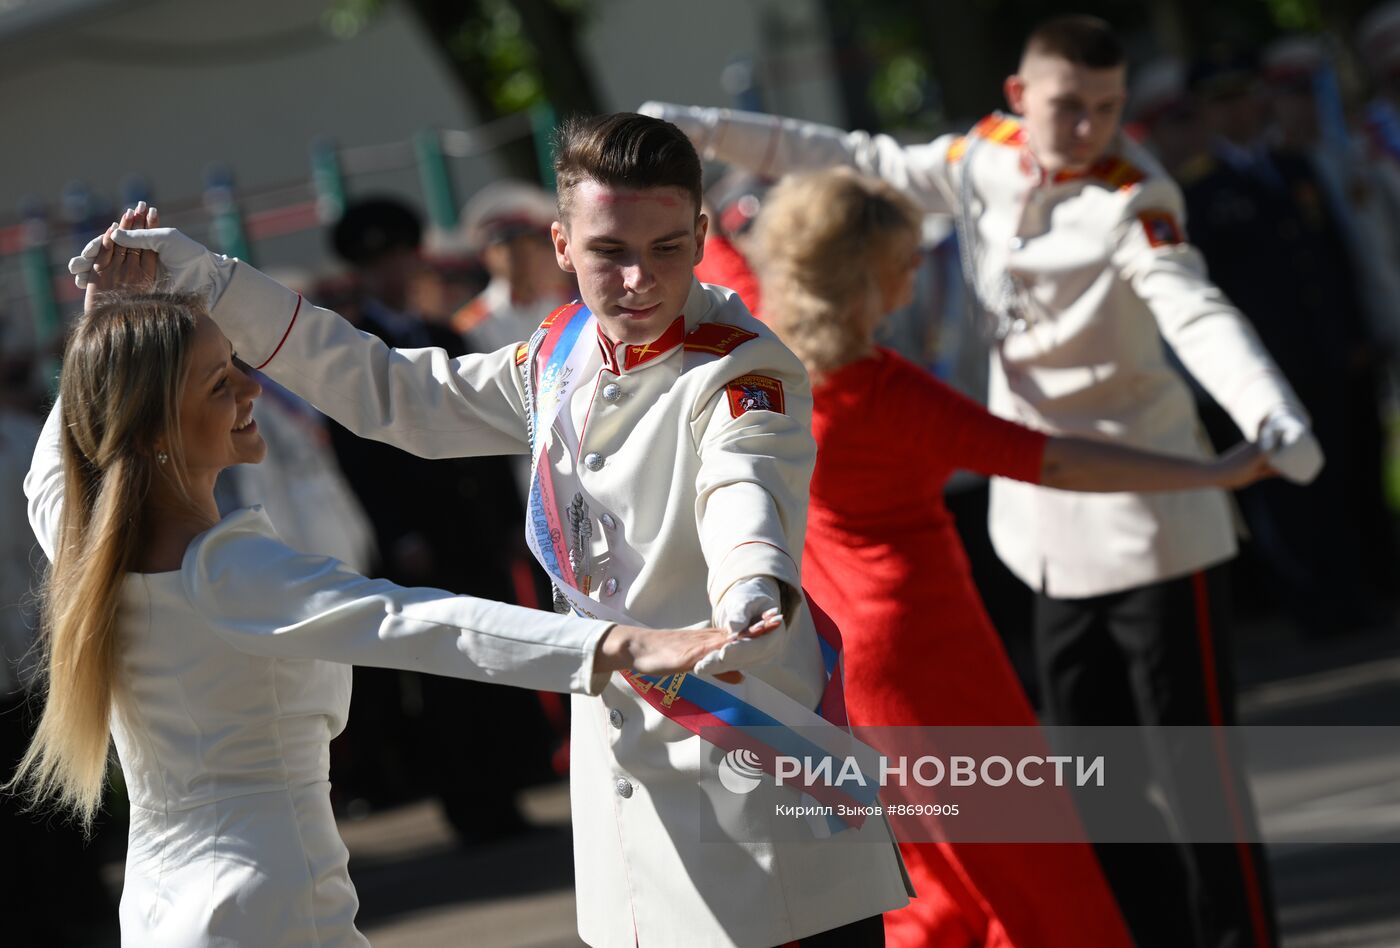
point(123, 372)
point(824, 245)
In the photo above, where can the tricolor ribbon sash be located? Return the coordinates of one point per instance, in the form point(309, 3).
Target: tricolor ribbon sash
point(751, 715)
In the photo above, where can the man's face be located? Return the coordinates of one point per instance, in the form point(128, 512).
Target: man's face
point(525, 260)
point(388, 277)
point(1070, 112)
point(634, 252)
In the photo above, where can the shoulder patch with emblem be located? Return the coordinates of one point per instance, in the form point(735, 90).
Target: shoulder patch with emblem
point(717, 338)
point(1161, 228)
point(755, 393)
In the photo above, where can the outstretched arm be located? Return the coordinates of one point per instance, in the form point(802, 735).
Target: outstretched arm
point(1095, 466)
point(1211, 336)
point(964, 434)
point(420, 400)
point(110, 270)
point(43, 485)
point(773, 146)
point(264, 598)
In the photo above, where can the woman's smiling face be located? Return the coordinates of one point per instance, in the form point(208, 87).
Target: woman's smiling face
point(216, 406)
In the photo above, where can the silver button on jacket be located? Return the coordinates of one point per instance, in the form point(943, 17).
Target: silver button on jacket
point(615, 718)
point(624, 787)
point(612, 392)
point(593, 461)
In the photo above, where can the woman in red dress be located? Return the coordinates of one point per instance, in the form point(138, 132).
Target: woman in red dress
point(835, 254)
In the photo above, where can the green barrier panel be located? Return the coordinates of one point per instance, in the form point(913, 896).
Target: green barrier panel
point(328, 180)
point(542, 122)
point(435, 178)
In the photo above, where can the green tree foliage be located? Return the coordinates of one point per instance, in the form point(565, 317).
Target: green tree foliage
point(507, 55)
point(925, 64)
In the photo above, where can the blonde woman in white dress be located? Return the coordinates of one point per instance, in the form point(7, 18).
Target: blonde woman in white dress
point(216, 656)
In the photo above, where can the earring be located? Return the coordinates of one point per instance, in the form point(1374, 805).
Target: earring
point(162, 457)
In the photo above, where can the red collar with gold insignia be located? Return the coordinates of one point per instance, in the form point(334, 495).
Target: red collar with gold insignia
point(714, 338)
point(631, 356)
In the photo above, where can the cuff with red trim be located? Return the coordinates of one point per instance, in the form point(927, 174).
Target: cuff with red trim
point(256, 313)
point(754, 558)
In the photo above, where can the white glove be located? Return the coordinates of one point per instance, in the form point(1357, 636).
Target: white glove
point(1292, 448)
point(745, 603)
point(81, 265)
point(189, 266)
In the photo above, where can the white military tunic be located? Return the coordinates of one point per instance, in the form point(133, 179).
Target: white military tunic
point(684, 495)
point(1097, 267)
point(233, 676)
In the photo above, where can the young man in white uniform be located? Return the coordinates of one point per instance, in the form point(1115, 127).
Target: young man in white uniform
point(1076, 254)
point(673, 495)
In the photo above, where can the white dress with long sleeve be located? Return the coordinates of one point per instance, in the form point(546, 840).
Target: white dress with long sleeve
point(233, 677)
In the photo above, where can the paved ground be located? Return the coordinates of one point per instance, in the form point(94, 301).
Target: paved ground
point(418, 889)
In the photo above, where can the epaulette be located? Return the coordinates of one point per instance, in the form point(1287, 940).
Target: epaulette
point(470, 315)
point(995, 128)
point(522, 351)
point(1118, 174)
point(564, 312)
point(717, 338)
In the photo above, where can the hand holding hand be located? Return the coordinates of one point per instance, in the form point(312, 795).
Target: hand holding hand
point(1292, 448)
point(1241, 466)
point(747, 601)
point(669, 651)
point(188, 265)
point(108, 266)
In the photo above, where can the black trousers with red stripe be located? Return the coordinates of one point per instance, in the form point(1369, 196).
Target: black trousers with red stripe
point(1158, 655)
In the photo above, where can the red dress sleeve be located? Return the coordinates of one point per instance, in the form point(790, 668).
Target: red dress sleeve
point(963, 435)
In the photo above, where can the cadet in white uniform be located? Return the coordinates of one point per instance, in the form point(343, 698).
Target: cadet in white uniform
point(1076, 255)
point(677, 475)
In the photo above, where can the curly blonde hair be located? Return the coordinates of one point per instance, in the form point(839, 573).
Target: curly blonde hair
point(826, 246)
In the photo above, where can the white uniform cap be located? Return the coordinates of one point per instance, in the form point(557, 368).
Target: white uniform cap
point(502, 205)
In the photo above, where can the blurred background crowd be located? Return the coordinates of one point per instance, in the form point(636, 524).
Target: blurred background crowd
point(389, 159)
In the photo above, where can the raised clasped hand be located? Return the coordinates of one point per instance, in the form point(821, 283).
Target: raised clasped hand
point(107, 266)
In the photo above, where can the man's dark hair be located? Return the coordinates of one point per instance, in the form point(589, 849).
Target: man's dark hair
point(1083, 40)
point(626, 150)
